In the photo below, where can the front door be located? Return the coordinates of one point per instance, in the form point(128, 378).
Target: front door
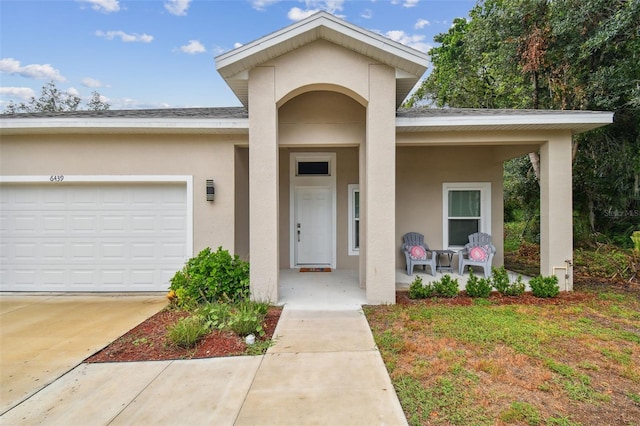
point(313, 226)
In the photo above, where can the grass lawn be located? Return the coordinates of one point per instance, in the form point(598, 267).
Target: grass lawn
point(576, 362)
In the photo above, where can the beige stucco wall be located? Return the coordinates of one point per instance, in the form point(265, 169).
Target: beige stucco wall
point(421, 172)
point(321, 118)
point(324, 66)
point(201, 156)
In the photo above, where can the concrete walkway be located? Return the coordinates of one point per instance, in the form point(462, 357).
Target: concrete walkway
point(323, 370)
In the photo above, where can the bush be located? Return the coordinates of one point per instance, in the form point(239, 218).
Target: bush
point(217, 315)
point(211, 277)
point(501, 282)
point(500, 279)
point(187, 331)
point(478, 287)
point(248, 318)
point(418, 290)
point(516, 288)
point(545, 286)
point(446, 287)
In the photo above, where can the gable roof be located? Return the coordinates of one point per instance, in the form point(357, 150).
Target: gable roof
point(409, 63)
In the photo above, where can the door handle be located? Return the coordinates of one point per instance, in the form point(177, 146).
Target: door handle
point(298, 235)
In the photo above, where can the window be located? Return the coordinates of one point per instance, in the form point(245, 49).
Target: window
point(354, 219)
point(467, 209)
point(313, 168)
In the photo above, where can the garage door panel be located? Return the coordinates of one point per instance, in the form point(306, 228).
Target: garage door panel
point(94, 237)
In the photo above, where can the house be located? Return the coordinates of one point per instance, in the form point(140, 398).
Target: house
point(320, 168)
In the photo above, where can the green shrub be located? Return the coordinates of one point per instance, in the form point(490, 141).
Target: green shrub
point(217, 315)
point(501, 282)
point(478, 287)
point(248, 318)
point(446, 287)
point(635, 237)
point(210, 277)
point(545, 286)
point(500, 279)
point(187, 331)
point(418, 290)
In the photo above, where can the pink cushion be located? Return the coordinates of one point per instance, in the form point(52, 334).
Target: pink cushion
point(478, 254)
point(417, 253)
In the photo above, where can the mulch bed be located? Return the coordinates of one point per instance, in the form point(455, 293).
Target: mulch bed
point(148, 342)
point(402, 298)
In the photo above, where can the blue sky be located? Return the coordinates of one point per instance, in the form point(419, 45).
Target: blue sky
point(160, 53)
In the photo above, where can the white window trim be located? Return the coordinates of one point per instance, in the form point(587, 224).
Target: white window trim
point(352, 189)
point(485, 207)
point(65, 179)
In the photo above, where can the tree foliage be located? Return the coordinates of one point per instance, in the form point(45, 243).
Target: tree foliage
point(560, 54)
point(52, 99)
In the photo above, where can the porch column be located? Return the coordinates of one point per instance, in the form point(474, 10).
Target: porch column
point(556, 209)
point(263, 185)
point(380, 187)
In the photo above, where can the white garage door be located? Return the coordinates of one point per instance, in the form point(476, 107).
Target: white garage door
point(91, 237)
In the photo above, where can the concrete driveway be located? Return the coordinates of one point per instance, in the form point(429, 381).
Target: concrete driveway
point(44, 336)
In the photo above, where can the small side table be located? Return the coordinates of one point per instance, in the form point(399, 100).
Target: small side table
point(449, 265)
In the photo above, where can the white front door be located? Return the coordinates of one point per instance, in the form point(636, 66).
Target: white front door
point(313, 226)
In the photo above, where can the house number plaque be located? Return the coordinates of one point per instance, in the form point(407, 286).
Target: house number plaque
point(56, 178)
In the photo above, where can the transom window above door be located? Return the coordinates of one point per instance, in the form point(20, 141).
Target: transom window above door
point(313, 168)
point(466, 210)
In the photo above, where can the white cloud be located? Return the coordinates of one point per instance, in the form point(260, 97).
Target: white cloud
point(177, 7)
point(92, 83)
point(39, 71)
point(297, 14)
point(421, 24)
point(193, 47)
point(415, 41)
point(366, 14)
point(313, 6)
point(104, 6)
point(410, 3)
point(262, 4)
point(24, 93)
point(127, 38)
point(236, 45)
point(73, 92)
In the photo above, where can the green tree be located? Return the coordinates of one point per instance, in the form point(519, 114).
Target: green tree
point(560, 54)
point(52, 99)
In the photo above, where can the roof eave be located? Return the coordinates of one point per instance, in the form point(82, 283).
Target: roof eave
point(576, 122)
point(10, 126)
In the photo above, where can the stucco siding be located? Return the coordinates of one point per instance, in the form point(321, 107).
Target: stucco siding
point(421, 172)
point(321, 64)
point(321, 117)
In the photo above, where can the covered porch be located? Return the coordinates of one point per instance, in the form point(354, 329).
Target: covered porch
point(340, 289)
